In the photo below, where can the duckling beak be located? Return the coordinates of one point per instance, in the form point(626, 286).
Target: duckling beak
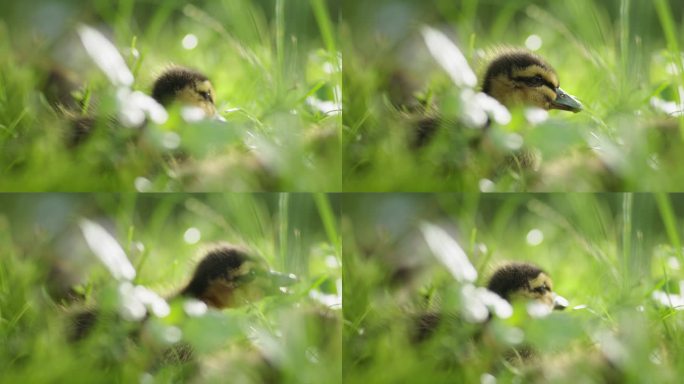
point(566, 102)
point(560, 302)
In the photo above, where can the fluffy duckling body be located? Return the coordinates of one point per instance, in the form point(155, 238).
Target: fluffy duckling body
point(525, 281)
point(177, 85)
point(520, 78)
point(511, 281)
point(185, 86)
point(226, 277)
point(515, 78)
point(229, 276)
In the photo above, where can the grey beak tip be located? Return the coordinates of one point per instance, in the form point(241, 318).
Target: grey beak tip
point(560, 303)
point(566, 102)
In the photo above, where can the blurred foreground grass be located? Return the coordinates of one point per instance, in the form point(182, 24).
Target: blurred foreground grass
point(617, 259)
point(292, 338)
point(621, 58)
point(274, 66)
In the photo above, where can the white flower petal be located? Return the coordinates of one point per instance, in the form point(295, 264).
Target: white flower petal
point(449, 57)
point(105, 55)
point(449, 253)
point(107, 250)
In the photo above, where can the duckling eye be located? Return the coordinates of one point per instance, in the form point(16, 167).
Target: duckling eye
point(206, 96)
point(247, 277)
point(541, 289)
point(535, 81)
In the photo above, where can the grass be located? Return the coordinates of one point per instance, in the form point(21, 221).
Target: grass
point(607, 254)
point(615, 56)
point(297, 333)
point(270, 63)
point(278, 67)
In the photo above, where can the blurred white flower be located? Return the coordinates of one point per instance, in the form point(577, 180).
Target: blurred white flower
point(479, 302)
point(333, 300)
point(535, 115)
point(172, 334)
point(135, 105)
point(606, 149)
point(612, 348)
point(107, 250)
point(538, 309)
point(192, 114)
point(513, 141)
point(329, 300)
point(171, 140)
point(105, 55)
point(449, 253)
point(327, 107)
point(136, 300)
point(447, 54)
point(674, 301)
point(477, 107)
point(194, 307)
point(670, 107)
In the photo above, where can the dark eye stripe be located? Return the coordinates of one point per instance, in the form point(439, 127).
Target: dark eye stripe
point(542, 289)
point(534, 81)
point(206, 96)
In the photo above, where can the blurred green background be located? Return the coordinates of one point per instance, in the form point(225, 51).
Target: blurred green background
point(608, 254)
point(293, 337)
point(621, 58)
point(274, 65)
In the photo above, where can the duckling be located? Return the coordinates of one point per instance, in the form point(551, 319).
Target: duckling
point(186, 86)
point(520, 78)
point(229, 276)
point(515, 78)
point(180, 85)
point(512, 281)
point(524, 280)
point(226, 277)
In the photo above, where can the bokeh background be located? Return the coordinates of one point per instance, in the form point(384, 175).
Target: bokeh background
point(617, 258)
point(621, 58)
point(49, 273)
point(274, 64)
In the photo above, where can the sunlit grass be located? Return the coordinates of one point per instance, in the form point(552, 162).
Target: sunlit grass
point(615, 56)
point(293, 337)
point(273, 64)
point(613, 256)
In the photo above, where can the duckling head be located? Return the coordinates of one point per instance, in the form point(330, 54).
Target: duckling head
point(185, 86)
point(521, 78)
point(230, 276)
point(527, 281)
